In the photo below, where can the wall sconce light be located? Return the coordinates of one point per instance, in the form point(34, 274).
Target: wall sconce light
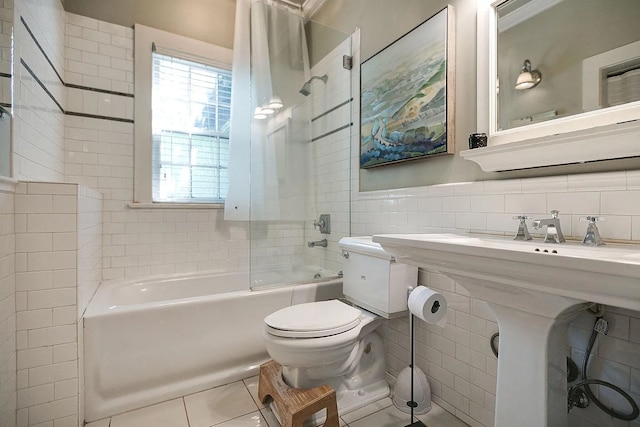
point(528, 78)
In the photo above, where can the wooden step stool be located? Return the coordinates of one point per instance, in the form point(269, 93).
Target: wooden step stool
point(295, 405)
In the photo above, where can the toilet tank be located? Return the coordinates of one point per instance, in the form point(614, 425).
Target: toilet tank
point(373, 280)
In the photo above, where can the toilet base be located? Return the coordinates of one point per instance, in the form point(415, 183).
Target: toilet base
point(348, 400)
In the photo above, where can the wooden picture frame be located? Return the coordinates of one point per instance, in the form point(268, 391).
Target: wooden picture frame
point(407, 96)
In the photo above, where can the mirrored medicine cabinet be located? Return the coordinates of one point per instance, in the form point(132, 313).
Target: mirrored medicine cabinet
point(558, 82)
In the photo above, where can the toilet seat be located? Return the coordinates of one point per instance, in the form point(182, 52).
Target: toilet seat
point(313, 320)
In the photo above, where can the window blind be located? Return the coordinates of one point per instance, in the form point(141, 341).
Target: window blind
point(191, 108)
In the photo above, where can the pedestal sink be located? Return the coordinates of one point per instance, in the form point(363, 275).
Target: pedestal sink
point(534, 289)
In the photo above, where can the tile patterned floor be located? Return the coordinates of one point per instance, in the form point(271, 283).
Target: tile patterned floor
point(237, 405)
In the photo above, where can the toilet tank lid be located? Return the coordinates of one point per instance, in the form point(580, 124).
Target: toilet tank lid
point(364, 245)
point(313, 319)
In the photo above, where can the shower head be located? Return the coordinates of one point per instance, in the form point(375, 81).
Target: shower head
point(306, 88)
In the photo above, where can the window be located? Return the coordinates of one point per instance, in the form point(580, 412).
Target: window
point(198, 54)
point(191, 106)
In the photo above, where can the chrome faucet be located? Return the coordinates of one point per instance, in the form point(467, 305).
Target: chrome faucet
point(554, 232)
point(322, 243)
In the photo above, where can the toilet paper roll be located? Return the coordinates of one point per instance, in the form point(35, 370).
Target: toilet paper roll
point(428, 305)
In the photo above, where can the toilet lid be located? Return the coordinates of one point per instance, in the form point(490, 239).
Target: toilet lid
point(313, 320)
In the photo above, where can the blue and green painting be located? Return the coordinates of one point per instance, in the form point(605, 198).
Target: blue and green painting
point(404, 97)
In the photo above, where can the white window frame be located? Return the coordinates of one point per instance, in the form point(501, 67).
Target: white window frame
point(145, 37)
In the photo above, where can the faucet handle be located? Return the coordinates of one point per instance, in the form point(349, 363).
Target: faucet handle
point(592, 237)
point(323, 224)
point(592, 219)
point(554, 213)
point(523, 232)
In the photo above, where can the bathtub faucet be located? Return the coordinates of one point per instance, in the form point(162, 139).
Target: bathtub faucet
point(322, 243)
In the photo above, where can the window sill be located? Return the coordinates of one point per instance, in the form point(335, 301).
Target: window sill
point(165, 205)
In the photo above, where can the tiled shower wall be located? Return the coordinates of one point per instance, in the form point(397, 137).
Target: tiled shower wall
point(89, 245)
point(6, 29)
point(7, 310)
point(99, 154)
point(38, 125)
point(98, 150)
point(285, 243)
point(89, 271)
point(95, 148)
point(330, 136)
point(139, 242)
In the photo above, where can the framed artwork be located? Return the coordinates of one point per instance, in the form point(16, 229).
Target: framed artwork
point(407, 94)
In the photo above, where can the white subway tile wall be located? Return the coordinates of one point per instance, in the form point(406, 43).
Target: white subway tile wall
point(61, 248)
point(8, 396)
point(276, 244)
point(98, 55)
point(619, 207)
point(38, 125)
point(89, 257)
point(45, 302)
point(330, 130)
point(284, 243)
point(89, 243)
point(99, 155)
point(6, 29)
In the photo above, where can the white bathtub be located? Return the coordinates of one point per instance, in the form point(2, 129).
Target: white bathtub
point(146, 341)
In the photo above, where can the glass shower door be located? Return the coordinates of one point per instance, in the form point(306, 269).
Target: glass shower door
point(294, 170)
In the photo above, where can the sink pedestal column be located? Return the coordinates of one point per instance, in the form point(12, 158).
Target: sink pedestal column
point(532, 369)
point(532, 363)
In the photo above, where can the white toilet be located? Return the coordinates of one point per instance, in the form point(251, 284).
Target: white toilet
point(334, 342)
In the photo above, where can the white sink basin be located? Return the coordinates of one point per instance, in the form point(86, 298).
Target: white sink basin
point(534, 289)
point(607, 274)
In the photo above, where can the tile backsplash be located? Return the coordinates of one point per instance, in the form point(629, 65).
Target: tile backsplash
point(489, 206)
